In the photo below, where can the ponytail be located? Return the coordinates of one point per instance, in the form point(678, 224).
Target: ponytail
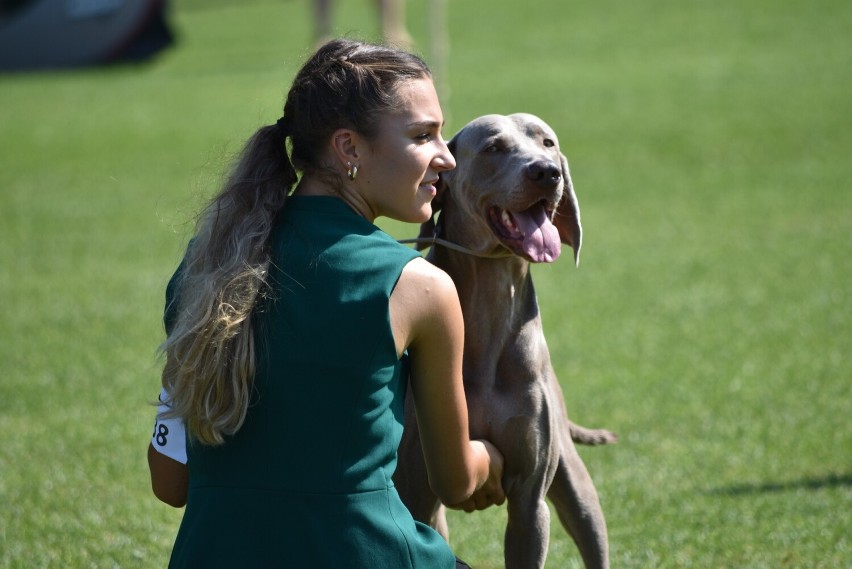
point(210, 357)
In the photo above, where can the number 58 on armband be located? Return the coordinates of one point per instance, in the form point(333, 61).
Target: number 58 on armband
point(169, 437)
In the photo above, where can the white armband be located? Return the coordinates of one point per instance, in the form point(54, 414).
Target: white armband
point(169, 436)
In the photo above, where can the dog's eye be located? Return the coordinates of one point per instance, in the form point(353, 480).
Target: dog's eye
point(492, 148)
point(548, 143)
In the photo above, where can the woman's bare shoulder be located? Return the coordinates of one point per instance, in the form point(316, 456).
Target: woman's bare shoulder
point(424, 302)
point(422, 281)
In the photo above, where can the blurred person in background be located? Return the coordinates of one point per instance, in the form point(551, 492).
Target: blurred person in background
point(391, 16)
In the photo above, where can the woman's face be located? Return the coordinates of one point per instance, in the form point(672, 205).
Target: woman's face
point(399, 169)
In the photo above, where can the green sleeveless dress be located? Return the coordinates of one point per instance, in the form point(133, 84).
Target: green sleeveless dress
point(306, 482)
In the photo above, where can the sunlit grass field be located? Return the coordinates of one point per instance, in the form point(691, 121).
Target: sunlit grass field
point(709, 322)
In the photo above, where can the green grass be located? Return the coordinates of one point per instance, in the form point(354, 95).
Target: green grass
point(709, 322)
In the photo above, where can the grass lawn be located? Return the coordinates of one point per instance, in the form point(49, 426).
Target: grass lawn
point(709, 323)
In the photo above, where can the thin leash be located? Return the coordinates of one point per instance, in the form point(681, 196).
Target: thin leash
point(435, 240)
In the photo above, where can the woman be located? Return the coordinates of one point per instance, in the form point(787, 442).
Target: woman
point(293, 323)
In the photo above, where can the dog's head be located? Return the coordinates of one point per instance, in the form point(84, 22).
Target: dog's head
point(511, 189)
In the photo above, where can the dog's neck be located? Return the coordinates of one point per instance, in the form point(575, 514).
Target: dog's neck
point(503, 329)
point(497, 298)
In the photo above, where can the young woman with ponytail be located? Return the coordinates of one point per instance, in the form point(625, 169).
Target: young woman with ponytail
point(293, 324)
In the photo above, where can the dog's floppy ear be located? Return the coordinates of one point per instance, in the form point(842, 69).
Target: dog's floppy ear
point(428, 228)
point(567, 218)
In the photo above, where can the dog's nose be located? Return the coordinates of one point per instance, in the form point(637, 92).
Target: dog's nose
point(544, 173)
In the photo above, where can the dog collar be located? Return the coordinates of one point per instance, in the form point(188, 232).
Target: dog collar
point(430, 241)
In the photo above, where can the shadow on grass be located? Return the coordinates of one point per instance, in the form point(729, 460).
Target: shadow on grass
point(831, 481)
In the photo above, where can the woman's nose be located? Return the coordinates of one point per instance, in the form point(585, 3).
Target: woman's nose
point(444, 160)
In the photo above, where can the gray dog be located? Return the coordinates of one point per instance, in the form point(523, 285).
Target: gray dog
point(509, 203)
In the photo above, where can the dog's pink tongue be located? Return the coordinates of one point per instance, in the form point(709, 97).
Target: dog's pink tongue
point(541, 238)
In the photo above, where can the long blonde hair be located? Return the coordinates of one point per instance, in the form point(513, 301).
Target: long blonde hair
point(210, 348)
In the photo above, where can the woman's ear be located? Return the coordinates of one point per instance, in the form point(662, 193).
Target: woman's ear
point(344, 144)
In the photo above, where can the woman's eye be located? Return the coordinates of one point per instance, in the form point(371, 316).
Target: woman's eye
point(425, 136)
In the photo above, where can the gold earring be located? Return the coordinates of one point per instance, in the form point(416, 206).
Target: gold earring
point(352, 171)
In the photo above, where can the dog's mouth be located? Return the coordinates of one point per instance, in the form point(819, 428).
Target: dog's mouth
point(529, 233)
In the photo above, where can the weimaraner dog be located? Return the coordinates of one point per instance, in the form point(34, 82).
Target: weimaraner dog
point(508, 203)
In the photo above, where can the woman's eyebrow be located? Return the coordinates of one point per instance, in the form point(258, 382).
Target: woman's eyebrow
point(425, 124)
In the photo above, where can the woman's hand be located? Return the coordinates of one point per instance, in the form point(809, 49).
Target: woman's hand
point(491, 492)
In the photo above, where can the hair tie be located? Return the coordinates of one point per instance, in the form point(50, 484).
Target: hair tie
point(283, 127)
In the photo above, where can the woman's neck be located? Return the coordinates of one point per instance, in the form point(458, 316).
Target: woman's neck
point(315, 186)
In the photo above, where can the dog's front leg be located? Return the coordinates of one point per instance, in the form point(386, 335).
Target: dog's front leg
point(528, 528)
point(531, 447)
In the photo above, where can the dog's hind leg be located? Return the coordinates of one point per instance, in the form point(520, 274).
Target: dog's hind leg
point(439, 521)
point(412, 484)
point(576, 502)
point(412, 479)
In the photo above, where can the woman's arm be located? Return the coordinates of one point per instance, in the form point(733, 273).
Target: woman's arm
point(167, 457)
point(169, 478)
point(427, 320)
